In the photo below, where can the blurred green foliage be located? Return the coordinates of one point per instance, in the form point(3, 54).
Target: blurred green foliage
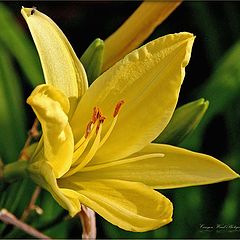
point(20, 46)
point(213, 73)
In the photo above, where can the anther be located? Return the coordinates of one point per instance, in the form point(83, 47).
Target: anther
point(99, 114)
point(102, 119)
point(95, 114)
point(117, 108)
point(88, 129)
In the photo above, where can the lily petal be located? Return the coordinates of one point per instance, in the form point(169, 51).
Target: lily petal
point(43, 175)
point(131, 206)
point(60, 64)
point(178, 168)
point(149, 81)
point(51, 107)
point(136, 29)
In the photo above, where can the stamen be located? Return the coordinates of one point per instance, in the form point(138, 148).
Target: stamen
point(104, 139)
point(99, 113)
point(115, 115)
point(79, 143)
point(81, 148)
point(101, 120)
point(95, 114)
point(92, 127)
point(89, 128)
point(89, 155)
point(117, 108)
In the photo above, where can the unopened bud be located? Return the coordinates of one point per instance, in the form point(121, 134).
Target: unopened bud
point(184, 120)
point(92, 59)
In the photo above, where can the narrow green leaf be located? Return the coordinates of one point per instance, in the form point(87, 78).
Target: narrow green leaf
point(185, 119)
point(10, 198)
point(12, 123)
point(92, 59)
point(12, 115)
point(15, 40)
point(18, 197)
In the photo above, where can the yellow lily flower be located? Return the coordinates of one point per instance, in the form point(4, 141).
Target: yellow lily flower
point(96, 145)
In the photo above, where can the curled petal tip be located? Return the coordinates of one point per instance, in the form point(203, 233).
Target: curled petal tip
point(26, 12)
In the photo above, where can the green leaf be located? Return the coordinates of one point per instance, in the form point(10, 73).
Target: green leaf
point(18, 197)
point(92, 59)
point(184, 120)
point(12, 115)
point(15, 40)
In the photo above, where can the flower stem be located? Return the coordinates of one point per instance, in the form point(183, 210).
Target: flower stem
point(15, 170)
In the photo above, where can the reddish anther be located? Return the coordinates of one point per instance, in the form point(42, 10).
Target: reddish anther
point(102, 119)
point(99, 114)
point(95, 114)
point(117, 108)
point(88, 129)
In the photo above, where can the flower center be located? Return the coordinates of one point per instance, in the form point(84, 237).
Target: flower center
point(87, 146)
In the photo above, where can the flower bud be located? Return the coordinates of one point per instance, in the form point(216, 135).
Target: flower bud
point(92, 59)
point(184, 120)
